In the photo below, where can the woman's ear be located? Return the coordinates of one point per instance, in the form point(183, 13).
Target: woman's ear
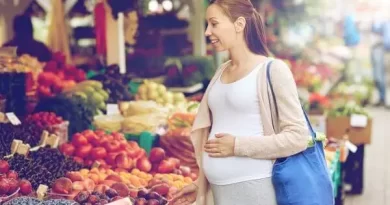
point(240, 24)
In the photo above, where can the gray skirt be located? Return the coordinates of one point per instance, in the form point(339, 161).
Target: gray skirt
point(254, 192)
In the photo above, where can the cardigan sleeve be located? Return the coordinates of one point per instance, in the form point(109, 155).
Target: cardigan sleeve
point(293, 136)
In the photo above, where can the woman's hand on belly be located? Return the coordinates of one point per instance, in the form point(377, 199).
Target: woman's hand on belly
point(221, 146)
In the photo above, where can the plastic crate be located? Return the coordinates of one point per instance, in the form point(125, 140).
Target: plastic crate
point(145, 140)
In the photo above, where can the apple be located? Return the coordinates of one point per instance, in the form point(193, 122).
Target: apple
point(157, 154)
point(26, 187)
point(12, 174)
point(74, 176)
point(122, 161)
point(4, 167)
point(4, 186)
point(144, 164)
point(121, 189)
point(13, 186)
point(166, 166)
point(186, 171)
point(62, 185)
point(176, 161)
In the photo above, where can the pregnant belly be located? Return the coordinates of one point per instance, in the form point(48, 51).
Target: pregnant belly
point(222, 171)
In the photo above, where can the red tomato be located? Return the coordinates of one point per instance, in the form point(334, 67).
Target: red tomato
point(112, 146)
point(67, 149)
point(79, 140)
point(98, 153)
point(83, 151)
point(110, 159)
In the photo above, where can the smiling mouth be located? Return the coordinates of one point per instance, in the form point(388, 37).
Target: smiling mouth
point(214, 41)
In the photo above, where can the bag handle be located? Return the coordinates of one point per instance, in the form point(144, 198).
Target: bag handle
point(276, 106)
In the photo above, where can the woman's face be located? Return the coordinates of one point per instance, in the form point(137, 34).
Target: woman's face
point(220, 29)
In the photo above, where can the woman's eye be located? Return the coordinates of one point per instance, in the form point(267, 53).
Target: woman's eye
point(213, 24)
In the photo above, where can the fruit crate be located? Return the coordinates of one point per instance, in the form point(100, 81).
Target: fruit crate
point(145, 140)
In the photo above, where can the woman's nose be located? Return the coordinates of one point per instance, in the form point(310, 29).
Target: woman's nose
point(207, 32)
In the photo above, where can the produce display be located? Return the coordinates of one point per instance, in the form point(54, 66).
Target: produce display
point(10, 181)
point(347, 109)
point(44, 119)
point(115, 84)
point(158, 92)
point(75, 111)
point(28, 133)
point(57, 76)
point(43, 166)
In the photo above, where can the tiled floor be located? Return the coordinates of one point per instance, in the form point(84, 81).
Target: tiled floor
point(377, 163)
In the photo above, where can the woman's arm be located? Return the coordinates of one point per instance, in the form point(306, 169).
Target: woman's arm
point(294, 135)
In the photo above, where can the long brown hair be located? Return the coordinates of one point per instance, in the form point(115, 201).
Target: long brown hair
point(254, 31)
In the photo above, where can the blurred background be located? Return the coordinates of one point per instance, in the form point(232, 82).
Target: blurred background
point(132, 51)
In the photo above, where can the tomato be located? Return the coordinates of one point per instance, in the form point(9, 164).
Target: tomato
point(79, 140)
point(91, 137)
point(118, 136)
point(67, 149)
point(100, 133)
point(133, 144)
point(83, 151)
point(112, 146)
point(98, 153)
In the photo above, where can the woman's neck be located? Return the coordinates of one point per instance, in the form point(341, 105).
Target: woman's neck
point(241, 57)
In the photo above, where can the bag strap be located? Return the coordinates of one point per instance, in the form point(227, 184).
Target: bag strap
point(276, 106)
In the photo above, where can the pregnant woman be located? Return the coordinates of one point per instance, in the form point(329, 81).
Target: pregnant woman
point(232, 134)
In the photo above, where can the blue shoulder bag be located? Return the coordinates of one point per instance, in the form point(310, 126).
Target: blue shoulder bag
point(303, 178)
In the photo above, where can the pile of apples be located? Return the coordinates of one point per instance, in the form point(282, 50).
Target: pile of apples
point(10, 183)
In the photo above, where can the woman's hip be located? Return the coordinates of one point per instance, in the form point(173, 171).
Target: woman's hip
point(253, 192)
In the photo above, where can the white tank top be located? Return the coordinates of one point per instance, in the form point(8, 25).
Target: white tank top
point(235, 110)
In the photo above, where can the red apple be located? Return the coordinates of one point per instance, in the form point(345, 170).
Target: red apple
point(4, 167)
point(157, 154)
point(166, 167)
point(112, 146)
point(13, 186)
point(4, 186)
point(12, 174)
point(144, 164)
point(122, 161)
point(175, 161)
point(62, 185)
point(26, 187)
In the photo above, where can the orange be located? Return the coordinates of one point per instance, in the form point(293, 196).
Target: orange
point(135, 171)
point(187, 180)
point(102, 176)
point(84, 171)
point(95, 177)
point(95, 170)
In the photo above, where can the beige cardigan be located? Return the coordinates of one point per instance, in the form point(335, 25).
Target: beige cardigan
point(291, 127)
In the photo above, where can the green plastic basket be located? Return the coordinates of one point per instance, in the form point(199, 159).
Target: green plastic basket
point(146, 140)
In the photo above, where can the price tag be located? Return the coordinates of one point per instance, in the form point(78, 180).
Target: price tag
point(41, 191)
point(358, 121)
point(353, 148)
point(124, 201)
point(112, 109)
point(13, 119)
